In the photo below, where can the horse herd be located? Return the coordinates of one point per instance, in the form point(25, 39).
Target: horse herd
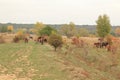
point(111, 45)
point(75, 41)
point(40, 39)
point(101, 44)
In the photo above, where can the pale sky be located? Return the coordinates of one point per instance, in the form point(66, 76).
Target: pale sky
point(58, 11)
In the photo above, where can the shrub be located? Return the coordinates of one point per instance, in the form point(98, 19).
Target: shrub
point(20, 34)
point(109, 39)
point(16, 39)
point(55, 40)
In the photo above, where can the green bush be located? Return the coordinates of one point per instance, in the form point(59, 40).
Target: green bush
point(55, 40)
point(47, 30)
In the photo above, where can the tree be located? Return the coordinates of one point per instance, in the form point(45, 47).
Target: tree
point(38, 27)
point(83, 32)
point(68, 30)
point(10, 28)
point(3, 29)
point(55, 40)
point(47, 30)
point(117, 31)
point(103, 26)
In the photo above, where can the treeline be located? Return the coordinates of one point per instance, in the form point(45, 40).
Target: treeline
point(57, 26)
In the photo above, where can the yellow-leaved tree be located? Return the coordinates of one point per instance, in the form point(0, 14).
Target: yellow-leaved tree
point(10, 28)
point(68, 30)
point(38, 27)
point(20, 33)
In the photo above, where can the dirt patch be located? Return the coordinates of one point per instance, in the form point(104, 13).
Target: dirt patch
point(12, 77)
point(7, 77)
point(74, 71)
point(18, 70)
point(2, 69)
point(31, 72)
point(44, 75)
point(23, 79)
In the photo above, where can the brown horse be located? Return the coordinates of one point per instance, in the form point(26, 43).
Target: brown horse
point(25, 40)
point(42, 39)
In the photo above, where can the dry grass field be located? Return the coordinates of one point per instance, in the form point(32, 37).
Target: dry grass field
point(31, 61)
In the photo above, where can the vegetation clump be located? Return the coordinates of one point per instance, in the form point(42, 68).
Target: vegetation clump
point(2, 39)
point(55, 40)
point(16, 39)
point(103, 26)
point(47, 31)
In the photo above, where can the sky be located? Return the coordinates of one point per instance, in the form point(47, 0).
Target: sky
point(83, 12)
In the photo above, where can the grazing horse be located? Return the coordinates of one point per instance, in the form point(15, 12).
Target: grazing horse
point(41, 39)
point(101, 45)
point(31, 37)
point(104, 44)
point(97, 44)
point(25, 40)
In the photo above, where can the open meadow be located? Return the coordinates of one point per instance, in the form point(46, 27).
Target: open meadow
point(31, 61)
point(59, 40)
